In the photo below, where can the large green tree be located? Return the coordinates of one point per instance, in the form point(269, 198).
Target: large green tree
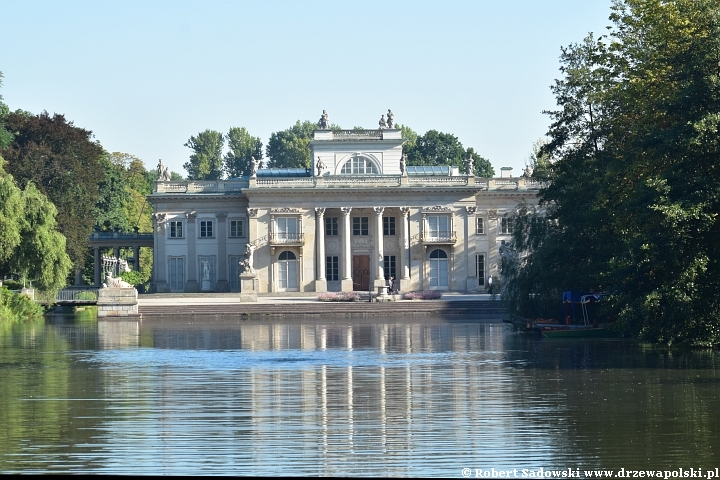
point(290, 148)
point(64, 162)
point(109, 211)
point(437, 148)
point(242, 148)
point(206, 160)
point(633, 202)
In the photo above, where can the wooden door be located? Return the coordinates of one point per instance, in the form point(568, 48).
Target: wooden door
point(361, 272)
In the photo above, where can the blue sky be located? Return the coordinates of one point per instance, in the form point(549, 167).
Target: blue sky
point(146, 75)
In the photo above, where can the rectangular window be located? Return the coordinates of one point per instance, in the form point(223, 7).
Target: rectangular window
point(480, 269)
point(506, 225)
point(332, 268)
point(389, 266)
point(389, 226)
point(361, 226)
point(176, 229)
point(236, 228)
point(206, 228)
point(331, 227)
point(287, 229)
point(479, 225)
point(438, 225)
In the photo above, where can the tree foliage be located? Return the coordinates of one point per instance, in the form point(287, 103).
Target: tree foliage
point(30, 245)
point(633, 203)
point(242, 148)
point(64, 163)
point(290, 148)
point(109, 211)
point(206, 160)
point(437, 148)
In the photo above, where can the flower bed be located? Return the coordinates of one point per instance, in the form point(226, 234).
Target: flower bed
point(425, 295)
point(339, 297)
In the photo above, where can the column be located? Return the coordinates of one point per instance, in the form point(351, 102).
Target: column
point(320, 280)
point(136, 256)
point(191, 284)
point(160, 267)
point(405, 252)
point(472, 283)
point(347, 282)
point(379, 277)
point(221, 265)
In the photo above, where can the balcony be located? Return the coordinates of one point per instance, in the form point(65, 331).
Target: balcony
point(288, 239)
point(438, 237)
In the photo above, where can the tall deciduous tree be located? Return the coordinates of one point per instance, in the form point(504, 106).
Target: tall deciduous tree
point(633, 201)
point(11, 207)
point(109, 211)
point(290, 148)
point(437, 148)
point(64, 162)
point(206, 160)
point(243, 147)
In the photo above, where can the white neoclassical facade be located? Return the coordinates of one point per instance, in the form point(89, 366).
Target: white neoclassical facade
point(359, 217)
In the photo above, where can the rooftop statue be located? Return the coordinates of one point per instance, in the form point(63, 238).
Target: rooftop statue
point(163, 172)
point(255, 166)
point(469, 165)
point(382, 122)
point(528, 171)
point(403, 165)
point(320, 165)
point(390, 119)
point(324, 122)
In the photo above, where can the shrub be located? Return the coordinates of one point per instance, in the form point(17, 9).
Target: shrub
point(338, 297)
point(424, 295)
point(14, 306)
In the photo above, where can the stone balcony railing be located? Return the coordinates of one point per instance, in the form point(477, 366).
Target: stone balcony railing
point(345, 181)
point(438, 237)
point(283, 238)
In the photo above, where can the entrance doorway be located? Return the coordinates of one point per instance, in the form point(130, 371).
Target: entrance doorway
point(361, 273)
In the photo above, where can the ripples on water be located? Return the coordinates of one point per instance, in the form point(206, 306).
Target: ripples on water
point(371, 399)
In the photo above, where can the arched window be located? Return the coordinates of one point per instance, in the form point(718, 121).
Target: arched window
point(438, 275)
point(287, 271)
point(359, 165)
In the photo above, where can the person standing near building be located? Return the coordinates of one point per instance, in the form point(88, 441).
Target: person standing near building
point(490, 284)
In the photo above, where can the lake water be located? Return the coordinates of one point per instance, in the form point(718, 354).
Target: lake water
point(347, 397)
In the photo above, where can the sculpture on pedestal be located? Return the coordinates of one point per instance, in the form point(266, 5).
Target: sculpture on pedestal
point(390, 119)
point(382, 122)
point(320, 165)
point(255, 167)
point(247, 263)
point(324, 122)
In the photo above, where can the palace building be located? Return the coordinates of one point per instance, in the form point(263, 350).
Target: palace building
point(357, 218)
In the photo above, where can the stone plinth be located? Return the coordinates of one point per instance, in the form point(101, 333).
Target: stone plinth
point(117, 302)
point(249, 286)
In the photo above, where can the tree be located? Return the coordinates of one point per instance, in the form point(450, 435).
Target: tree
point(633, 199)
point(437, 148)
point(41, 255)
point(539, 161)
point(5, 136)
point(109, 211)
point(11, 207)
point(243, 146)
point(290, 148)
point(64, 163)
point(206, 161)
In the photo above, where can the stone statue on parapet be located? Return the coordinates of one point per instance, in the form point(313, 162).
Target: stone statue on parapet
point(403, 165)
point(255, 165)
point(382, 122)
point(470, 166)
point(320, 165)
point(528, 171)
point(390, 119)
point(163, 172)
point(324, 122)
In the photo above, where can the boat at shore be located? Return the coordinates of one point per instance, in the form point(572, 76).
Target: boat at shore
point(556, 330)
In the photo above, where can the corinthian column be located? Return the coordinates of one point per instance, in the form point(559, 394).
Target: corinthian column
point(405, 252)
point(379, 277)
point(320, 280)
point(346, 284)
